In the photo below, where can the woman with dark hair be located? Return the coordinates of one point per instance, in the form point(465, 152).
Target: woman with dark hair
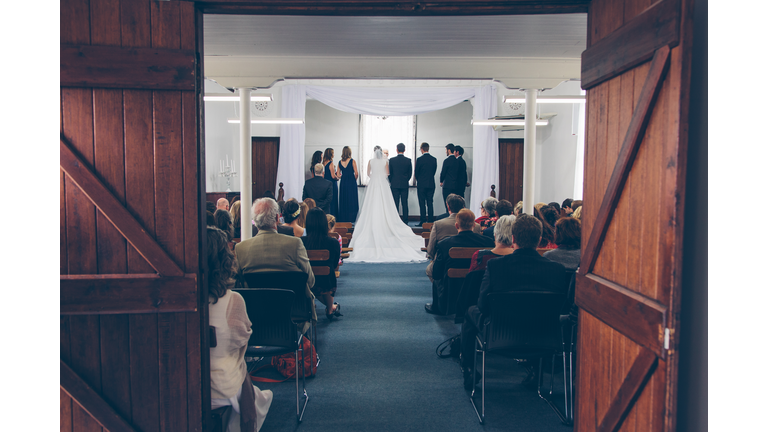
point(291, 213)
point(331, 174)
point(317, 157)
point(348, 202)
point(547, 231)
point(230, 383)
point(317, 238)
point(224, 222)
point(568, 240)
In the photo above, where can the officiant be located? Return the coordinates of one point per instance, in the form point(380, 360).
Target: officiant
point(400, 170)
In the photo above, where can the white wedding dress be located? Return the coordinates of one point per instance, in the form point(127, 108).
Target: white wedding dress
point(380, 236)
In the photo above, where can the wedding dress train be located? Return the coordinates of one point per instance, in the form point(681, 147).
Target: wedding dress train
point(380, 236)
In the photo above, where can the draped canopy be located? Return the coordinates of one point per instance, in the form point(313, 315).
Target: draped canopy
point(390, 101)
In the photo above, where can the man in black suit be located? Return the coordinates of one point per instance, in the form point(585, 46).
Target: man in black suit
point(461, 183)
point(319, 189)
point(441, 286)
point(400, 170)
point(449, 174)
point(426, 167)
point(522, 269)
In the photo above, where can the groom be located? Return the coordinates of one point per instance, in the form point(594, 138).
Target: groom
point(400, 170)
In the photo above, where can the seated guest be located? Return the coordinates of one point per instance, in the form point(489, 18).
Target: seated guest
point(518, 209)
point(487, 213)
point(303, 210)
point(224, 222)
point(291, 216)
point(234, 211)
point(566, 207)
point(576, 204)
point(577, 213)
point(232, 201)
point(317, 238)
point(522, 269)
point(209, 219)
point(310, 203)
point(465, 237)
point(281, 204)
point(568, 240)
point(503, 208)
point(503, 239)
point(269, 194)
point(270, 251)
point(319, 189)
point(334, 235)
point(230, 383)
point(547, 233)
point(555, 206)
point(211, 207)
point(222, 204)
point(550, 214)
point(445, 227)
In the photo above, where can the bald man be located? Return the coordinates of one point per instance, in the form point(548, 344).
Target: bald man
point(222, 204)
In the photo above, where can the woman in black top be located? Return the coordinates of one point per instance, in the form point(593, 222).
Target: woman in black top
point(317, 239)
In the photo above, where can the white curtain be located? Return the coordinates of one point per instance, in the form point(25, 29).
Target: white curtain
point(485, 152)
point(387, 132)
point(390, 101)
point(290, 164)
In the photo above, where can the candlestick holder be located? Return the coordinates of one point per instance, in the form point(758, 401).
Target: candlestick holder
point(228, 172)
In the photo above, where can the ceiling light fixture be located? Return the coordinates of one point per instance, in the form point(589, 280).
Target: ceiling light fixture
point(270, 121)
point(220, 98)
point(547, 99)
point(506, 122)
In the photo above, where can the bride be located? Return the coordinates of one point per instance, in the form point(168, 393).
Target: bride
point(380, 235)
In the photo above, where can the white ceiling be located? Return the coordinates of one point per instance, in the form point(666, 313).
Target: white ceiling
point(519, 50)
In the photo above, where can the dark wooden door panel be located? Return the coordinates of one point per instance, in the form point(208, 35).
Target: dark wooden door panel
point(628, 282)
point(510, 170)
point(265, 152)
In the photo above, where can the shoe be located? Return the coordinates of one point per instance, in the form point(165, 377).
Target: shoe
point(336, 312)
point(420, 224)
point(430, 310)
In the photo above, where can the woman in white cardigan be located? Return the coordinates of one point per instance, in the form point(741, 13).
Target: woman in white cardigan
point(230, 383)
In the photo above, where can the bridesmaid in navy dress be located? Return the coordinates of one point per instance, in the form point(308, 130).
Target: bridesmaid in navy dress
point(348, 204)
point(330, 173)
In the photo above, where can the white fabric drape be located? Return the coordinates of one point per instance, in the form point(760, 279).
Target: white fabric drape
point(485, 152)
point(290, 165)
point(390, 101)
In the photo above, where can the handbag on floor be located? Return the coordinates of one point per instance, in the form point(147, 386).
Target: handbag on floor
point(286, 364)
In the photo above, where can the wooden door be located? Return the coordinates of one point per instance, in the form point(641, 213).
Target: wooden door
point(131, 314)
point(264, 154)
point(510, 170)
point(636, 71)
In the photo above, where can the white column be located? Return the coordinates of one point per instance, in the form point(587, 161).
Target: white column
point(246, 213)
point(529, 150)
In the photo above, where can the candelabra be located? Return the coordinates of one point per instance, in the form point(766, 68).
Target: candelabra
point(227, 171)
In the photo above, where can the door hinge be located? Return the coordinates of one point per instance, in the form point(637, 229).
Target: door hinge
point(666, 338)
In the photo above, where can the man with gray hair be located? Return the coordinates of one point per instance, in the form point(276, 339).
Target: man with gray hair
point(319, 189)
point(269, 251)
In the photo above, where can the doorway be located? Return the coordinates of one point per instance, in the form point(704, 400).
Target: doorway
point(510, 170)
point(265, 152)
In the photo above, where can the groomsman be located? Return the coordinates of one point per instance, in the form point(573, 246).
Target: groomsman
point(426, 167)
point(400, 170)
point(462, 183)
point(449, 174)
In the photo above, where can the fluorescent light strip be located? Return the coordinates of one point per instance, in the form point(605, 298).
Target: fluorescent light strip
point(270, 121)
point(506, 122)
point(547, 99)
point(254, 98)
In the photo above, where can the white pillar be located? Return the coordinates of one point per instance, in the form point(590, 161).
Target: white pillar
point(529, 150)
point(246, 213)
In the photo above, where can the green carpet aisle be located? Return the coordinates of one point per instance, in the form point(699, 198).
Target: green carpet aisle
point(379, 372)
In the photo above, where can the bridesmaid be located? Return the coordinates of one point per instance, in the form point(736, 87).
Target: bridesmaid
point(348, 204)
point(317, 158)
point(330, 173)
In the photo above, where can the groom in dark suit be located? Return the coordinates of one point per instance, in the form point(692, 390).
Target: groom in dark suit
point(400, 170)
point(426, 166)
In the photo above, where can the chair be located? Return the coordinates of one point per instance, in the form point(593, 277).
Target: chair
point(296, 281)
point(427, 226)
point(274, 332)
point(347, 225)
point(458, 267)
point(523, 325)
point(470, 292)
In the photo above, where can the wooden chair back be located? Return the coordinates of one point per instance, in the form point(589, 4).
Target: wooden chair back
point(319, 255)
point(347, 225)
point(427, 227)
point(341, 231)
point(462, 253)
